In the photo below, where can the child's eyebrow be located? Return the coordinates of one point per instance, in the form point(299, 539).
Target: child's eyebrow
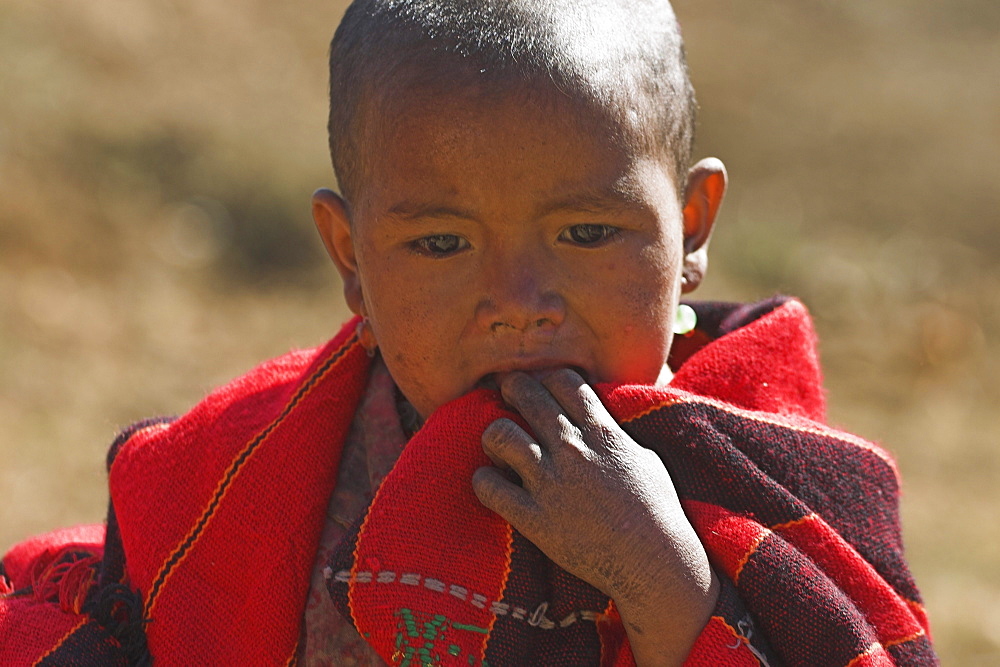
point(606, 201)
point(408, 210)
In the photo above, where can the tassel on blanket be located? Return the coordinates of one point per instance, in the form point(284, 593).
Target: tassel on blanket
point(64, 577)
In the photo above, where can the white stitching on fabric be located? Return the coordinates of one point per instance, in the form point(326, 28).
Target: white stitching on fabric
point(537, 618)
point(434, 585)
point(745, 628)
point(499, 608)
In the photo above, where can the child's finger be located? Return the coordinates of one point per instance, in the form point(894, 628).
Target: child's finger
point(510, 446)
point(506, 499)
point(577, 398)
point(583, 407)
point(534, 402)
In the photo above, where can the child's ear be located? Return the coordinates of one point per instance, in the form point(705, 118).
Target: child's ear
point(706, 186)
point(334, 224)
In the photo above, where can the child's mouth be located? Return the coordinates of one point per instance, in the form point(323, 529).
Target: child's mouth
point(492, 380)
point(488, 382)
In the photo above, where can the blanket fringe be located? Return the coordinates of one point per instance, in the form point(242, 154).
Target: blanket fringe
point(65, 578)
point(68, 578)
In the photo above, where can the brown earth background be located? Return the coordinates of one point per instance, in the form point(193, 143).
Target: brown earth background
point(156, 162)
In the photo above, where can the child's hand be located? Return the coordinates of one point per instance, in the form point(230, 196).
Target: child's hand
point(603, 508)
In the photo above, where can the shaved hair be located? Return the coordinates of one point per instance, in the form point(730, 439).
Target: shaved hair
point(620, 57)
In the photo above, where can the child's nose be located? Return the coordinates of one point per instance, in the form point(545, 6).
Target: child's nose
point(518, 298)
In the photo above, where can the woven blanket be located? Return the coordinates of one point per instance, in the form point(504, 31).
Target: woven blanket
point(215, 518)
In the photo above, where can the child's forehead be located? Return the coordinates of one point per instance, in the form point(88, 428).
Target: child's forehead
point(439, 141)
point(405, 107)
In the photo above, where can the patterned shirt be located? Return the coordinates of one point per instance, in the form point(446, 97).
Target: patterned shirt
point(375, 441)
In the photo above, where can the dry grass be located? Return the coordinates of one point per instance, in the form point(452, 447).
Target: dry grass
point(156, 160)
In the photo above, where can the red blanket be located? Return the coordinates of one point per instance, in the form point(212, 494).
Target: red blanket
point(215, 519)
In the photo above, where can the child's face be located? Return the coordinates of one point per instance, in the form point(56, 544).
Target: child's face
point(498, 236)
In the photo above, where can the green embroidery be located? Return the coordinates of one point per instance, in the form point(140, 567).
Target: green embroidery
point(409, 621)
point(470, 628)
point(425, 642)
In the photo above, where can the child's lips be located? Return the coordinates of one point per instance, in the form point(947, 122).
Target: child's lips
point(488, 382)
point(539, 372)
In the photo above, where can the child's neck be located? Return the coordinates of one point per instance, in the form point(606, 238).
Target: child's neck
point(665, 377)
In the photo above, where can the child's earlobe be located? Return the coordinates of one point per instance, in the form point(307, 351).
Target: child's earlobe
point(334, 226)
point(693, 270)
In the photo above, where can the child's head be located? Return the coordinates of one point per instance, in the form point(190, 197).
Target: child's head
point(623, 58)
point(515, 187)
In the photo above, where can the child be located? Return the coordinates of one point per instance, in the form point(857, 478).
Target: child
point(516, 224)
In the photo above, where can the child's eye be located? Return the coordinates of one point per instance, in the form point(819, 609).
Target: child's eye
point(440, 245)
point(589, 234)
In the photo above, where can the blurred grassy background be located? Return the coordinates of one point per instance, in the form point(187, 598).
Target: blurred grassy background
point(156, 162)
